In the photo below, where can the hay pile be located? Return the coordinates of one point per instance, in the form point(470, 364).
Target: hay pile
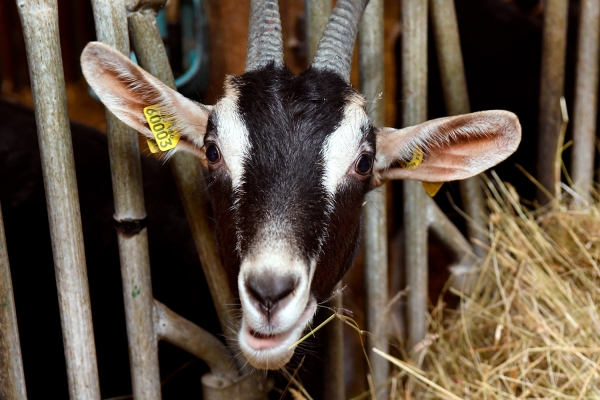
point(531, 326)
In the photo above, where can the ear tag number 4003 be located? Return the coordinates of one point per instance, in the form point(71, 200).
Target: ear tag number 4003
point(165, 138)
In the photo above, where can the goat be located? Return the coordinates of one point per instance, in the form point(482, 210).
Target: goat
point(290, 159)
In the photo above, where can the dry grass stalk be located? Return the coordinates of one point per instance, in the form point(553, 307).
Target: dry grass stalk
point(531, 326)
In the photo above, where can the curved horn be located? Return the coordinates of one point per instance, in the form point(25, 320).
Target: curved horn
point(337, 43)
point(264, 38)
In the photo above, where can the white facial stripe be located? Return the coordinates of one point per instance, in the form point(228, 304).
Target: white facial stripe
point(234, 141)
point(341, 147)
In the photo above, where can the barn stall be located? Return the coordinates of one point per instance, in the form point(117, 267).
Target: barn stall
point(517, 56)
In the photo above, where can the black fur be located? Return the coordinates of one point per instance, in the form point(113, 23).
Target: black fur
point(288, 119)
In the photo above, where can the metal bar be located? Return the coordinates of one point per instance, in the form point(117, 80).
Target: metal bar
point(317, 15)
point(39, 19)
point(180, 332)
point(371, 75)
point(12, 380)
point(414, 111)
point(151, 54)
point(551, 89)
point(586, 98)
point(111, 28)
point(456, 98)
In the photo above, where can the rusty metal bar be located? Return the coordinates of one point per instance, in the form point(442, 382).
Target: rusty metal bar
point(12, 380)
point(151, 54)
point(39, 19)
point(180, 332)
point(111, 28)
point(371, 74)
point(317, 14)
point(586, 98)
point(456, 98)
point(551, 89)
point(414, 111)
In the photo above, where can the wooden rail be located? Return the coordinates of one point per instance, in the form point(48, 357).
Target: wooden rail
point(586, 98)
point(12, 380)
point(39, 19)
point(414, 111)
point(375, 240)
point(111, 28)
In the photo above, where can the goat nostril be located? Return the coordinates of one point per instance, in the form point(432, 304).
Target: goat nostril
point(269, 290)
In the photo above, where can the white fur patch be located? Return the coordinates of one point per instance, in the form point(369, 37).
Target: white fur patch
point(342, 147)
point(274, 257)
point(234, 141)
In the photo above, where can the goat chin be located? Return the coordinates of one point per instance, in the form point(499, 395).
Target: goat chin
point(264, 351)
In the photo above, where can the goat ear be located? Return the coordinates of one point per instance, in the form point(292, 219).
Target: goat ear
point(446, 149)
point(126, 89)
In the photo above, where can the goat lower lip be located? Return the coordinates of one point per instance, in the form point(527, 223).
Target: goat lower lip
point(265, 341)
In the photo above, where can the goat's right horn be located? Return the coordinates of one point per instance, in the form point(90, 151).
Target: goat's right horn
point(337, 42)
point(264, 38)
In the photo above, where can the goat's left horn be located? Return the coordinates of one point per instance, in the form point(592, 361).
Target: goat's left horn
point(264, 38)
point(337, 43)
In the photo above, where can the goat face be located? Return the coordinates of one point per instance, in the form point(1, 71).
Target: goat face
point(290, 160)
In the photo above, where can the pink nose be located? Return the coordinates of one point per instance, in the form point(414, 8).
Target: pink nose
point(269, 290)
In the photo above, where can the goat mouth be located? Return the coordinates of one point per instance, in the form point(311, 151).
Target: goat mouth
point(264, 341)
point(267, 350)
point(257, 340)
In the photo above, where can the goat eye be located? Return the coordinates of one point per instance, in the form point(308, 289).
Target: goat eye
point(364, 164)
point(212, 153)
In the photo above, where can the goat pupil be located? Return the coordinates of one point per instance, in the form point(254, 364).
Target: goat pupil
point(364, 164)
point(212, 153)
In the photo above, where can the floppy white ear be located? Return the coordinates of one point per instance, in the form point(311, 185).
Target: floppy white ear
point(452, 148)
point(126, 89)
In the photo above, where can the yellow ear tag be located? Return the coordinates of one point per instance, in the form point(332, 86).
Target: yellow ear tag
point(165, 137)
point(415, 161)
point(432, 187)
point(152, 146)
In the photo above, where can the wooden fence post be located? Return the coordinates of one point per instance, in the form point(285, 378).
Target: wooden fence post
point(586, 98)
point(317, 15)
point(39, 19)
point(551, 90)
point(111, 28)
point(12, 380)
point(375, 250)
point(456, 98)
point(222, 382)
point(151, 54)
point(414, 111)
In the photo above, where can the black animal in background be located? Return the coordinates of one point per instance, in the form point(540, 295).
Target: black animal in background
point(177, 275)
